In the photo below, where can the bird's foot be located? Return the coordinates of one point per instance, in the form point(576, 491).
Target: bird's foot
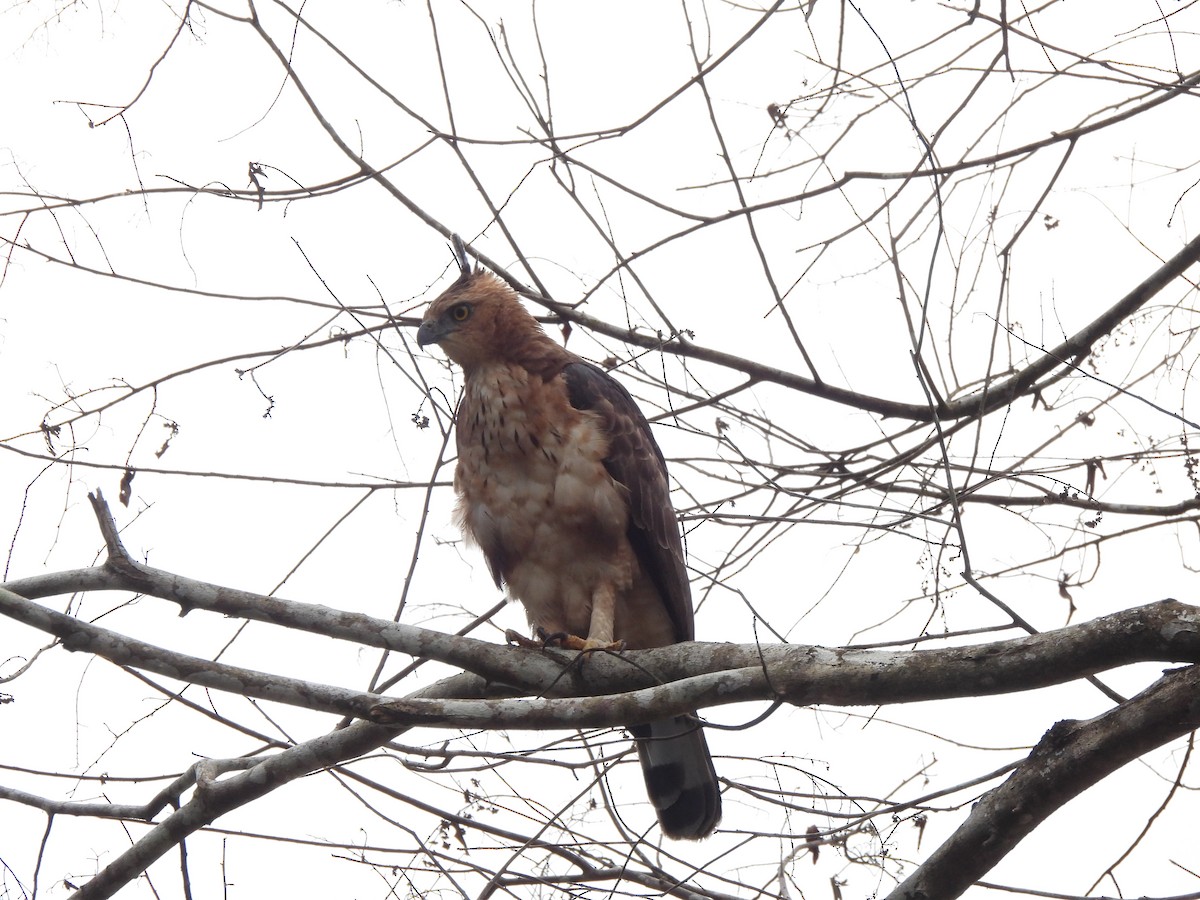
point(516, 639)
point(564, 639)
point(584, 645)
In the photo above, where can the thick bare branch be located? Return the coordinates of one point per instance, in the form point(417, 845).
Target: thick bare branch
point(1071, 757)
point(640, 686)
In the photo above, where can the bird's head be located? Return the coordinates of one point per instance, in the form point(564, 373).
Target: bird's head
point(478, 319)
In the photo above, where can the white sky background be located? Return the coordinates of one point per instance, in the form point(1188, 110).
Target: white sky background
point(340, 417)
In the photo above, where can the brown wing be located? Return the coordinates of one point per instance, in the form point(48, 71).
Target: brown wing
point(680, 778)
point(635, 461)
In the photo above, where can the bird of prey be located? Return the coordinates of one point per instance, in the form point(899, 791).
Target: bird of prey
point(562, 486)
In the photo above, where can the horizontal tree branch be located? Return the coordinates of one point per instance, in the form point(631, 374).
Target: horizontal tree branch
point(636, 687)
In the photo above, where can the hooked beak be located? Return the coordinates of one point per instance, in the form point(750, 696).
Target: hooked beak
point(430, 332)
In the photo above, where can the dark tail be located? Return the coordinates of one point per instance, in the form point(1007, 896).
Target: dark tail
point(680, 777)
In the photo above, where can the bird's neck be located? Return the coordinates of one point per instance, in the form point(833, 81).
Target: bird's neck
point(532, 351)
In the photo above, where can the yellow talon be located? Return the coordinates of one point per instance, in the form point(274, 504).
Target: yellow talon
point(586, 645)
point(543, 639)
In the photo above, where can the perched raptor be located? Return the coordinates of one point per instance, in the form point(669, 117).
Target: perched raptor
point(563, 488)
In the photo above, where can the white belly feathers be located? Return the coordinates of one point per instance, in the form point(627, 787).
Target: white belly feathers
point(536, 498)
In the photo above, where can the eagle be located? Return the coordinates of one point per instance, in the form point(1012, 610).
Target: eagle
point(563, 488)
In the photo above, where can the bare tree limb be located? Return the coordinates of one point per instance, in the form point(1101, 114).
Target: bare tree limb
point(214, 799)
point(1071, 757)
point(639, 686)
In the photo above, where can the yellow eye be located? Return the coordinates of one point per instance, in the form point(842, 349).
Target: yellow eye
point(461, 313)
